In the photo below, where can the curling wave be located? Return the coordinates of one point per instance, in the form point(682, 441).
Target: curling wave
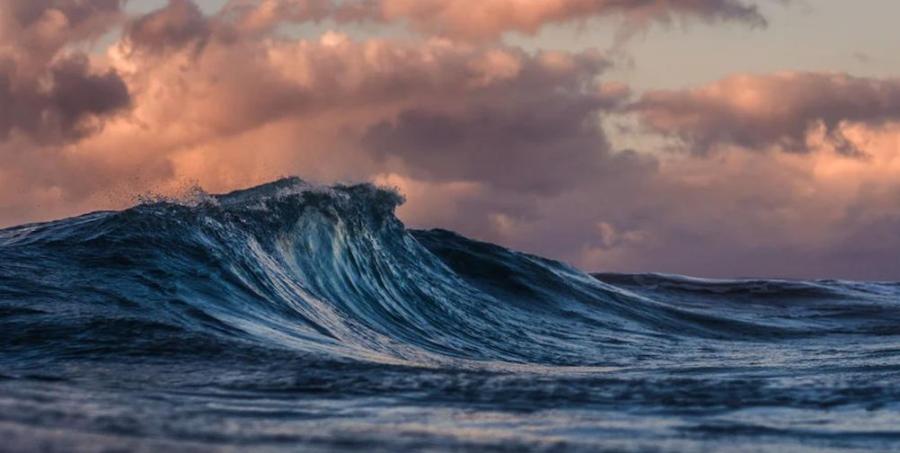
point(294, 316)
point(330, 271)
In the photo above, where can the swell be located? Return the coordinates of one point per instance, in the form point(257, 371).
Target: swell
point(331, 272)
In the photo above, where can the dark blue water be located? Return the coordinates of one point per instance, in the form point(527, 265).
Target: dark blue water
point(290, 317)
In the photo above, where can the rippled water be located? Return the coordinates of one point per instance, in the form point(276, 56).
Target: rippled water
point(293, 316)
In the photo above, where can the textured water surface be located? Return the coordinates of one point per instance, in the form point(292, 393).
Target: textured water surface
point(291, 315)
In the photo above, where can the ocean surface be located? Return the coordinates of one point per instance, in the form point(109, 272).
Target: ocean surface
point(294, 317)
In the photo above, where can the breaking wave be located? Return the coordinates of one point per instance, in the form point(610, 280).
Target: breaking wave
point(293, 313)
point(332, 271)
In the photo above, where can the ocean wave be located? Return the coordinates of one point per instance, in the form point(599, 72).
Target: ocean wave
point(331, 272)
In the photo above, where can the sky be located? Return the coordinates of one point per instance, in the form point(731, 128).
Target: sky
point(717, 138)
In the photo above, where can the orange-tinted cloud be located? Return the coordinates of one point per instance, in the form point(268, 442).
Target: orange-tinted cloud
point(739, 212)
point(760, 111)
point(203, 90)
point(489, 19)
point(48, 91)
point(182, 21)
point(179, 23)
point(43, 27)
point(498, 142)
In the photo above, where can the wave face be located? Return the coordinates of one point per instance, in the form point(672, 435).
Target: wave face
point(292, 313)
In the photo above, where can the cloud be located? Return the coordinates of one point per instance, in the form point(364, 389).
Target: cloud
point(50, 91)
point(501, 143)
point(174, 26)
point(262, 16)
point(746, 213)
point(536, 129)
point(489, 19)
point(736, 213)
point(65, 103)
point(203, 89)
point(41, 28)
point(776, 110)
point(539, 148)
point(181, 21)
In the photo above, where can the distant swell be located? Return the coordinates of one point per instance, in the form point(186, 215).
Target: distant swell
point(331, 272)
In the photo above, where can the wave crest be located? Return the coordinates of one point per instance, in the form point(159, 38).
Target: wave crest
point(330, 271)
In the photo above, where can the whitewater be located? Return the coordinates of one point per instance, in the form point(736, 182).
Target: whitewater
point(292, 316)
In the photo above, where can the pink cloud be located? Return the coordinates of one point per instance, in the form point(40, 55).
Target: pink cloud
point(489, 19)
point(760, 111)
point(497, 142)
point(49, 91)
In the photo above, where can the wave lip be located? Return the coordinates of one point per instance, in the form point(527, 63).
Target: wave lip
point(331, 272)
